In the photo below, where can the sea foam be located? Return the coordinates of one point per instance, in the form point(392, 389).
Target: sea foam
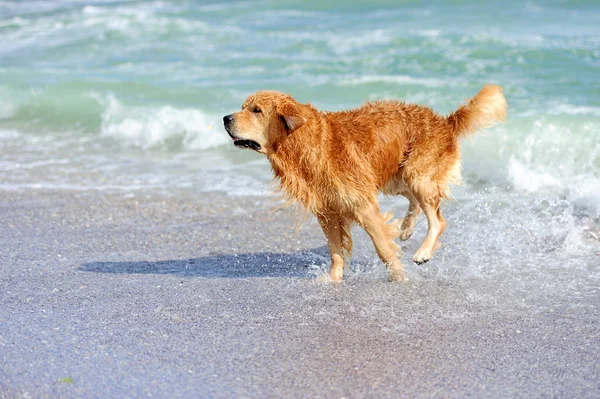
point(165, 126)
point(401, 80)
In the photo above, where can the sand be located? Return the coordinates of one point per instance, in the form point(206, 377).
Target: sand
point(204, 295)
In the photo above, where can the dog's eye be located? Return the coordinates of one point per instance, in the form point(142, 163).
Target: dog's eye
point(256, 110)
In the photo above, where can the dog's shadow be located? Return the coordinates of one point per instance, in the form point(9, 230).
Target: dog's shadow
point(246, 265)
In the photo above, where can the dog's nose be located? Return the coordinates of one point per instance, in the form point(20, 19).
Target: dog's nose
point(227, 119)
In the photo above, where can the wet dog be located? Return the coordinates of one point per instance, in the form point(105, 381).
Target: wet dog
point(334, 164)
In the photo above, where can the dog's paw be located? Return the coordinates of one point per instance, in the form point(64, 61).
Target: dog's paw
point(336, 274)
point(422, 256)
point(398, 276)
point(405, 234)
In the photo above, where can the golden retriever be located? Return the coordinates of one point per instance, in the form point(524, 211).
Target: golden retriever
point(334, 164)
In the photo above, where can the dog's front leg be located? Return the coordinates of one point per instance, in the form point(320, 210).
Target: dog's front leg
point(334, 228)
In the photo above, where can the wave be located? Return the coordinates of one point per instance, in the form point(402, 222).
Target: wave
point(401, 80)
point(6, 110)
point(582, 189)
point(570, 109)
point(128, 25)
point(75, 112)
point(530, 180)
point(161, 127)
point(9, 134)
point(548, 154)
point(123, 19)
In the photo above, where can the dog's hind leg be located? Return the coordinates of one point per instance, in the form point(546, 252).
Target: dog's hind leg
point(382, 234)
point(408, 224)
point(339, 241)
point(430, 202)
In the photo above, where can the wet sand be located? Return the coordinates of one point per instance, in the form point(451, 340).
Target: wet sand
point(204, 295)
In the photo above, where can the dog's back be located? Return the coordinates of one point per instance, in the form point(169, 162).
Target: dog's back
point(407, 141)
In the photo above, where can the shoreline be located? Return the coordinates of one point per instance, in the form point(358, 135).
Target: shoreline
point(202, 294)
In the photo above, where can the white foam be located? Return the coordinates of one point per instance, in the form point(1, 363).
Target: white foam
point(133, 21)
point(344, 44)
point(429, 33)
point(6, 110)
point(143, 19)
point(549, 155)
point(529, 180)
point(570, 109)
point(9, 134)
point(147, 127)
point(401, 79)
point(18, 21)
point(563, 148)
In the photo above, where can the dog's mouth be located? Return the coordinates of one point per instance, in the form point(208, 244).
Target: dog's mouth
point(243, 143)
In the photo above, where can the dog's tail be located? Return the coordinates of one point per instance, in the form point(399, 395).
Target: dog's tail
point(486, 109)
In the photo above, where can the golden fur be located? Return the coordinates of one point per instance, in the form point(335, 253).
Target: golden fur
point(335, 163)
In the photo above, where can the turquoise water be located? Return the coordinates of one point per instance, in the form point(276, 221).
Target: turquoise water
point(125, 94)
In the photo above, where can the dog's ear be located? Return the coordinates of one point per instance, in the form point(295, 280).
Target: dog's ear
point(290, 115)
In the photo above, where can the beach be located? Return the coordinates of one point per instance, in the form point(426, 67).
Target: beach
point(141, 253)
point(187, 295)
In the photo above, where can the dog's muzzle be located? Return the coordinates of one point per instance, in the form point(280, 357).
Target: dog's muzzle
point(238, 141)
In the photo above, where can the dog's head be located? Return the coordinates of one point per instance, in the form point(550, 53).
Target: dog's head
point(266, 117)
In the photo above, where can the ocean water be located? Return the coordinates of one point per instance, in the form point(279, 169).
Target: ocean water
point(129, 95)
